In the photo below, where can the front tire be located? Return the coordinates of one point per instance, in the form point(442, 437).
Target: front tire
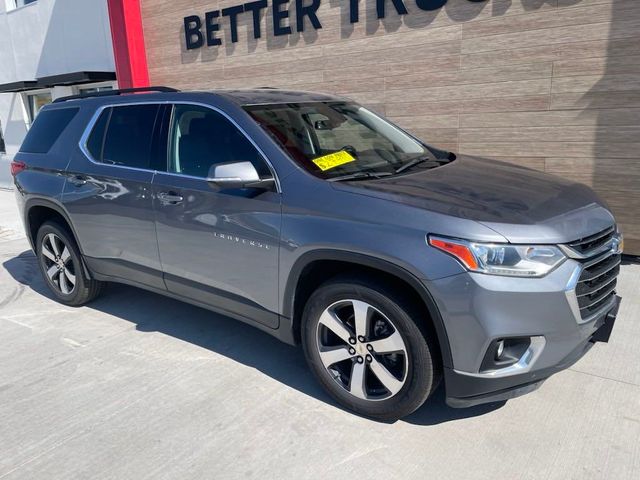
point(363, 342)
point(61, 266)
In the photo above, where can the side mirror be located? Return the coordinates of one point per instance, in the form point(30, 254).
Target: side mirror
point(237, 175)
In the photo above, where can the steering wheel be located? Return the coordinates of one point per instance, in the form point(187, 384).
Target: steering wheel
point(350, 149)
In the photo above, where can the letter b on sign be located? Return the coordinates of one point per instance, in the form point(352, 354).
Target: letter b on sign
point(192, 34)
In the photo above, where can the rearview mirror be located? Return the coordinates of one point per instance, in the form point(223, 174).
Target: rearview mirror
point(322, 125)
point(237, 175)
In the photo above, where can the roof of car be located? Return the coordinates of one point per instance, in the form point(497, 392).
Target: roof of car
point(258, 96)
point(243, 97)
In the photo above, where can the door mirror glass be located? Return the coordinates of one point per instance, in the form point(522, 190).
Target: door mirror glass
point(237, 175)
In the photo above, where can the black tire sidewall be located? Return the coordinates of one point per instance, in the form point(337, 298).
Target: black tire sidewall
point(76, 297)
point(420, 372)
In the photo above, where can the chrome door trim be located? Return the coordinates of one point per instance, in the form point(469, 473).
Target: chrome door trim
point(89, 128)
point(82, 144)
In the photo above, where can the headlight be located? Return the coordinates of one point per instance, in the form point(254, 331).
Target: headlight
point(501, 259)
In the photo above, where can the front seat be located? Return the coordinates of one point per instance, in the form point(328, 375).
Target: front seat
point(197, 148)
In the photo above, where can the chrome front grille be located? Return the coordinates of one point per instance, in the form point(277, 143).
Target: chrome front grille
point(597, 284)
point(600, 259)
point(593, 243)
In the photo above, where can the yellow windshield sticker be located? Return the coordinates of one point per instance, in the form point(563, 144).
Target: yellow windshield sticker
point(327, 162)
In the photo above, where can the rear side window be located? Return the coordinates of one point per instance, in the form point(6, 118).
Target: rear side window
point(46, 129)
point(95, 141)
point(124, 136)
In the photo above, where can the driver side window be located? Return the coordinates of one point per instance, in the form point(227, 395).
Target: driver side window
point(201, 138)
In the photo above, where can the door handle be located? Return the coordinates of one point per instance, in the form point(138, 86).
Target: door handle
point(170, 198)
point(78, 180)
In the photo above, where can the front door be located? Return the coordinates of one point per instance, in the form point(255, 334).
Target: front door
point(218, 247)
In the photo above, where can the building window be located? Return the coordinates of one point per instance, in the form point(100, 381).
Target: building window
point(35, 102)
point(3, 148)
point(86, 90)
point(13, 4)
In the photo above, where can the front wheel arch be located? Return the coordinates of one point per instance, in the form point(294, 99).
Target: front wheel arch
point(361, 329)
point(325, 263)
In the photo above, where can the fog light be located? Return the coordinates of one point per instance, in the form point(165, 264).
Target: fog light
point(504, 352)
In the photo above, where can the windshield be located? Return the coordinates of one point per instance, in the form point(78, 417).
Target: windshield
point(338, 139)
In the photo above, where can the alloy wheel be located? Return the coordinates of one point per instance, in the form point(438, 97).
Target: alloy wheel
point(58, 263)
point(362, 350)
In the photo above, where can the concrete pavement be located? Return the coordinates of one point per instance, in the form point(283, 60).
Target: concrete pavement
point(6, 181)
point(139, 386)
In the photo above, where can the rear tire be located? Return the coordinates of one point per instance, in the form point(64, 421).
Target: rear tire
point(60, 262)
point(363, 342)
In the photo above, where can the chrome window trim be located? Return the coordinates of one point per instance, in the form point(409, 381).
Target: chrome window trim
point(89, 128)
point(82, 144)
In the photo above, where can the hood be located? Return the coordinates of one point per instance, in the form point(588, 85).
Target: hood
point(521, 204)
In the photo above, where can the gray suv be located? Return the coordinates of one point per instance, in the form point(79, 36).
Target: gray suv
point(395, 264)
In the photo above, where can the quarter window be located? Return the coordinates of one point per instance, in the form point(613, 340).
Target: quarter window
point(201, 138)
point(46, 129)
point(123, 136)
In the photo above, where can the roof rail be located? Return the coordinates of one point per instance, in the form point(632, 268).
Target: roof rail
point(108, 93)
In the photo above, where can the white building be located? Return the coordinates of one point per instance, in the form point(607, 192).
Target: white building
point(48, 49)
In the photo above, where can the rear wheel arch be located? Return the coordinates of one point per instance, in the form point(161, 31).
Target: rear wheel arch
point(38, 211)
point(62, 266)
point(314, 268)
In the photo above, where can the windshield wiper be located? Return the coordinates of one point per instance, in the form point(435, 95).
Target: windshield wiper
point(417, 161)
point(359, 176)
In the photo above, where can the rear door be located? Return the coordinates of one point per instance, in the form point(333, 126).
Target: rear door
point(219, 247)
point(108, 192)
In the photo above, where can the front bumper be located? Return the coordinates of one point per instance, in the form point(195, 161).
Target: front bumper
point(478, 309)
point(465, 391)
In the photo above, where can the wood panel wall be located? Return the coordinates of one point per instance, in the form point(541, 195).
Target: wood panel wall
point(550, 84)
